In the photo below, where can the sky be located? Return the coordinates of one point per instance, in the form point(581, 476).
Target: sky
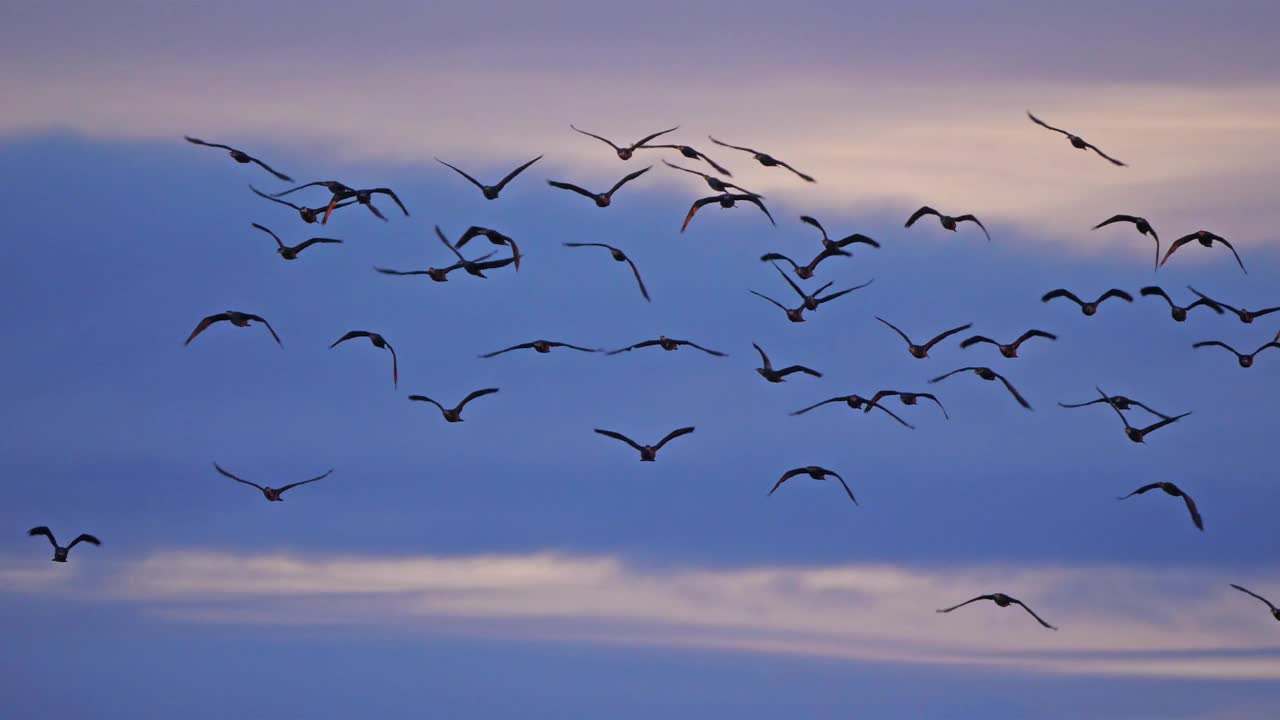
point(519, 563)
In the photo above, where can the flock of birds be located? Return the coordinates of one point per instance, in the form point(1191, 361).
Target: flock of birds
point(729, 194)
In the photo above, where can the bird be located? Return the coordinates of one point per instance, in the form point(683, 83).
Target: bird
point(240, 156)
point(856, 402)
point(333, 186)
point(59, 552)
point(364, 197)
point(948, 222)
point(667, 344)
point(1275, 611)
point(804, 272)
point(777, 376)
point(726, 200)
point(474, 267)
point(692, 154)
point(814, 301)
point(1175, 491)
point(625, 153)
point(491, 191)
point(1246, 316)
point(239, 319)
point(1180, 313)
point(1246, 361)
point(714, 182)
point(436, 274)
point(601, 199)
point(1139, 435)
point(989, 375)
point(495, 238)
point(1205, 238)
point(291, 253)
point(271, 494)
point(1143, 226)
point(1001, 600)
point(1087, 309)
point(922, 351)
point(817, 473)
point(907, 398)
point(454, 415)
point(843, 242)
point(378, 342)
point(1076, 141)
point(763, 159)
point(539, 346)
point(648, 453)
point(1010, 350)
point(308, 215)
point(618, 256)
point(1119, 402)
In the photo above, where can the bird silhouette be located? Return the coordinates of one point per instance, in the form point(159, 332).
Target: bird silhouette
point(1087, 309)
point(648, 453)
point(625, 153)
point(1010, 350)
point(59, 552)
point(491, 191)
point(921, 352)
point(454, 414)
point(378, 342)
point(764, 159)
point(817, 473)
point(291, 253)
point(1205, 238)
point(948, 222)
point(1275, 611)
point(618, 256)
point(777, 376)
point(239, 319)
point(726, 200)
point(1143, 227)
point(989, 375)
point(1001, 600)
point(1171, 489)
point(1076, 141)
point(1179, 313)
point(271, 494)
point(601, 199)
point(240, 156)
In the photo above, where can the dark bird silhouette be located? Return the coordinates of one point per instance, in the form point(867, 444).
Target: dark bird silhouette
point(1205, 238)
point(378, 342)
point(1001, 600)
point(1118, 402)
point(907, 398)
point(1010, 350)
point(454, 415)
point(59, 552)
point(857, 402)
point(1246, 316)
point(1175, 491)
point(236, 318)
point(1246, 361)
point(763, 159)
point(948, 222)
point(777, 376)
point(436, 274)
point(667, 344)
point(726, 201)
point(625, 153)
point(1143, 226)
point(240, 157)
point(491, 191)
point(648, 453)
point(814, 301)
point(1091, 308)
point(271, 494)
point(989, 375)
point(333, 186)
point(1076, 141)
point(364, 197)
point(1139, 435)
point(291, 253)
point(843, 242)
point(1179, 313)
point(495, 238)
point(539, 346)
point(692, 154)
point(804, 272)
point(475, 267)
point(922, 351)
point(795, 314)
point(714, 182)
point(308, 215)
point(817, 473)
point(1275, 611)
point(618, 256)
point(601, 199)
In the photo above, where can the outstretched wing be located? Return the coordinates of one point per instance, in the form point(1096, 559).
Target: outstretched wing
point(936, 401)
point(618, 436)
point(802, 176)
point(973, 219)
point(570, 186)
point(817, 405)
point(1254, 594)
point(644, 292)
point(1174, 247)
point(204, 324)
point(685, 169)
point(312, 241)
point(1116, 219)
point(1114, 161)
point(1034, 333)
point(1195, 512)
point(699, 347)
point(1014, 392)
point(424, 398)
point(84, 537)
point(763, 357)
point(940, 378)
point(42, 530)
point(1141, 490)
point(926, 210)
point(269, 169)
point(603, 140)
point(626, 180)
point(809, 220)
point(966, 602)
point(946, 335)
point(265, 230)
point(647, 138)
point(512, 175)
point(476, 394)
point(1061, 293)
point(233, 477)
point(198, 141)
point(521, 346)
point(769, 257)
point(1033, 614)
point(270, 329)
point(1115, 293)
point(970, 342)
point(1043, 124)
point(735, 147)
point(673, 435)
point(847, 491)
point(787, 476)
point(1233, 252)
point(304, 482)
point(350, 335)
point(693, 209)
point(756, 201)
point(894, 328)
point(461, 172)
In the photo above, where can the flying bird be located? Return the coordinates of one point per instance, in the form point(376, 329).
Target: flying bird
point(1246, 361)
point(843, 242)
point(814, 301)
point(1246, 316)
point(804, 272)
point(795, 314)
point(1180, 313)
point(291, 253)
point(763, 159)
point(539, 346)
point(271, 494)
point(948, 222)
point(364, 197)
point(495, 238)
point(907, 398)
point(648, 453)
point(475, 267)
point(857, 402)
point(667, 344)
point(378, 342)
point(454, 415)
point(714, 182)
point(989, 375)
point(625, 153)
point(922, 351)
point(1143, 226)
point(817, 473)
point(1001, 600)
point(1087, 309)
point(1175, 491)
point(726, 201)
point(1076, 141)
point(491, 191)
point(59, 552)
point(1139, 435)
point(1118, 402)
point(692, 154)
point(1205, 238)
point(618, 256)
point(308, 215)
point(240, 157)
point(1275, 611)
point(236, 318)
point(777, 376)
point(333, 186)
point(436, 274)
point(1010, 350)
point(601, 199)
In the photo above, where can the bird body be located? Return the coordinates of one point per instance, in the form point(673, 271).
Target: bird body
point(667, 344)
point(1206, 239)
point(454, 414)
point(921, 352)
point(1001, 600)
point(764, 159)
point(948, 222)
point(239, 319)
point(648, 453)
point(1010, 350)
point(271, 494)
point(60, 552)
point(1076, 141)
point(1088, 309)
point(603, 199)
point(817, 473)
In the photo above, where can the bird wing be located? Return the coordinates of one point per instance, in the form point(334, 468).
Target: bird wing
point(198, 141)
point(512, 175)
point(856, 238)
point(940, 378)
point(461, 172)
point(395, 364)
point(1156, 291)
point(582, 244)
point(799, 368)
point(312, 241)
point(1013, 391)
point(1114, 161)
point(42, 530)
point(646, 343)
point(966, 602)
point(1268, 311)
point(1249, 592)
point(424, 398)
point(926, 210)
point(847, 491)
point(735, 147)
point(476, 394)
point(936, 401)
point(445, 240)
point(573, 347)
point(1147, 408)
point(570, 186)
point(1143, 489)
point(699, 347)
point(946, 335)
point(840, 293)
point(672, 435)
point(768, 257)
point(270, 329)
point(237, 479)
point(304, 482)
point(1195, 512)
point(973, 219)
point(1116, 219)
point(1216, 343)
point(640, 143)
point(1084, 404)
point(372, 208)
point(1163, 422)
point(756, 201)
point(1216, 303)
point(1043, 124)
point(809, 220)
point(1174, 247)
point(261, 194)
point(719, 168)
point(295, 189)
point(1033, 614)
point(787, 476)
point(618, 436)
point(802, 176)
point(388, 271)
point(685, 169)
point(766, 297)
point(84, 537)
point(626, 180)
point(644, 292)
point(521, 346)
point(1233, 252)
point(204, 324)
point(265, 230)
point(269, 169)
point(786, 277)
point(1116, 293)
point(895, 329)
point(1034, 333)
point(350, 335)
point(1060, 292)
point(817, 405)
point(763, 357)
point(970, 342)
point(875, 399)
point(603, 140)
point(693, 209)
